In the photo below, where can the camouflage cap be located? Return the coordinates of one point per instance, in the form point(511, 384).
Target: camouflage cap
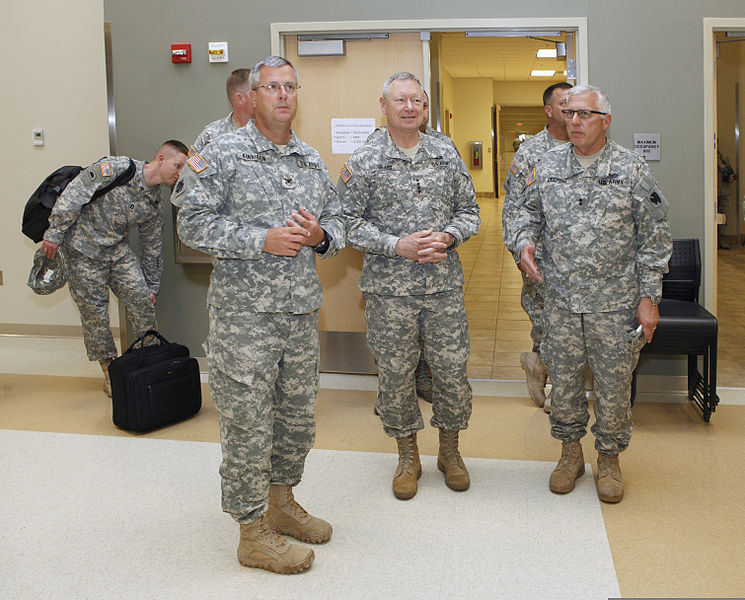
point(47, 274)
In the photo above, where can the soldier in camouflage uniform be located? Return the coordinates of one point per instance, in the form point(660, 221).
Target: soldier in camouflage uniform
point(239, 91)
point(94, 239)
point(422, 375)
point(262, 204)
point(601, 218)
point(408, 202)
point(526, 158)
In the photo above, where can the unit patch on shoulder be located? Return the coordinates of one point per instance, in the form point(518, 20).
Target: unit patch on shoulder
point(514, 168)
point(192, 151)
point(346, 173)
point(531, 177)
point(105, 169)
point(197, 163)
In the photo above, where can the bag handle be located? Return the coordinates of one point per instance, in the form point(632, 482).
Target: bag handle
point(141, 340)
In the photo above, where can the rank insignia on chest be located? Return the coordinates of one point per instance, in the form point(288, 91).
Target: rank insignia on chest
point(531, 177)
point(346, 173)
point(513, 168)
point(288, 183)
point(105, 169)
point(197, 163)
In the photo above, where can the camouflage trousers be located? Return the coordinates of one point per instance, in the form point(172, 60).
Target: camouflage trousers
point(263, 379)
point(572, 340)
point(531, 299)
point(394, 324)
point(89, 282)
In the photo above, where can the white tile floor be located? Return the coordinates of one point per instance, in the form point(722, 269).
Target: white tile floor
point(109, 517)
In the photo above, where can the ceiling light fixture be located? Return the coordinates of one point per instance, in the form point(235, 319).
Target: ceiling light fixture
point(546, 53)
point(542, 73)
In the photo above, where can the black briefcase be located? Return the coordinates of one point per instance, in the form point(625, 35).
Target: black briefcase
point(153, 386)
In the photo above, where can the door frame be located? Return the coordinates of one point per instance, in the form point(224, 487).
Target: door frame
point(578, 24)
point(710, 27)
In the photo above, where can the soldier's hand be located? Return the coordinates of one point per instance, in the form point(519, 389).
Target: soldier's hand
point(309, 222)
point(49, 248)
point(409, 246)
point(152, 298)
point(648, 315)
point(432, 247)
point(285, 241)
point(527, 260)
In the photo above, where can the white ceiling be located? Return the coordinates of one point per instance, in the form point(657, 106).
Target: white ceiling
point(500, 58)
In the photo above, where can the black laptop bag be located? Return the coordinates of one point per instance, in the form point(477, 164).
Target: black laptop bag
point(155, 385)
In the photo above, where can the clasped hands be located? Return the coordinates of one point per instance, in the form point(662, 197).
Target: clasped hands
point(425, 246)
point(302, 229)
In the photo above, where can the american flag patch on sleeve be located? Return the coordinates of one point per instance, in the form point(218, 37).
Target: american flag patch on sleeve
point(346, 173)
point(197, 163)
point(513, 168)
point(531, 178)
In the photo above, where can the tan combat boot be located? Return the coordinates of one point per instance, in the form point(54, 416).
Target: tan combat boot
point(450, 462)
point(263, 548)
point(536, 374)
point(610, 482)
point(106, 381)
point(286, 516)
point(570, 468)
point(409, 468)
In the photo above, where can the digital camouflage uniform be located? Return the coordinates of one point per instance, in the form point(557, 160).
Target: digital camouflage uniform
point(524, 161)
point(211, 132)
point(263, 343)
point(94, 240)
point(423, 378)
point(606, 243)
point(387, 196)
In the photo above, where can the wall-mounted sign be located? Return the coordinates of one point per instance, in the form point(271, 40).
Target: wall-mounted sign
point(349, 134)
point(648, 145)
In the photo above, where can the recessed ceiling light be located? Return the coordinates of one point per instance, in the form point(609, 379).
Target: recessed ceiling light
point(541, 73)
point(546, 53)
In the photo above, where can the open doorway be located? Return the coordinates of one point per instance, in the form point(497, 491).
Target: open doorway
point(499, 328)
point(730, 165)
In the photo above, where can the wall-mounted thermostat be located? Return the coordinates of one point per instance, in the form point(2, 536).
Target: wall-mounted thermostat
point(218, 52)
point(37, 136)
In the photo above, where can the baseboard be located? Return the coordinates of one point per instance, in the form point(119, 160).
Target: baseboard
point(46, 331)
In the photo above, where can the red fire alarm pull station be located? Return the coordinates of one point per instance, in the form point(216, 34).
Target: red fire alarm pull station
point(180, 53)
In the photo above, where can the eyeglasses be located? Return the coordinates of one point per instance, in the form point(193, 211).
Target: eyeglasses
point(274, 87)
point(403, 101)
point(582, 113)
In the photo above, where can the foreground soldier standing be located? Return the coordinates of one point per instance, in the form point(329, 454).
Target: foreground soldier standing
point(596, 208)
point(408, 202)
point(94, 236)
point(261, 203)
point(531, 298)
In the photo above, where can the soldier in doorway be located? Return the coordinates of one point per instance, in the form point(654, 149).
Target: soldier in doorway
point(527, 157)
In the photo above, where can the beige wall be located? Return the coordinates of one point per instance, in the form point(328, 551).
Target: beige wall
point(54, 79)
point(520, 93)
point(472, 111)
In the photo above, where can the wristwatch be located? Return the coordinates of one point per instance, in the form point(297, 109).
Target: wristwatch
point(323, 245)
